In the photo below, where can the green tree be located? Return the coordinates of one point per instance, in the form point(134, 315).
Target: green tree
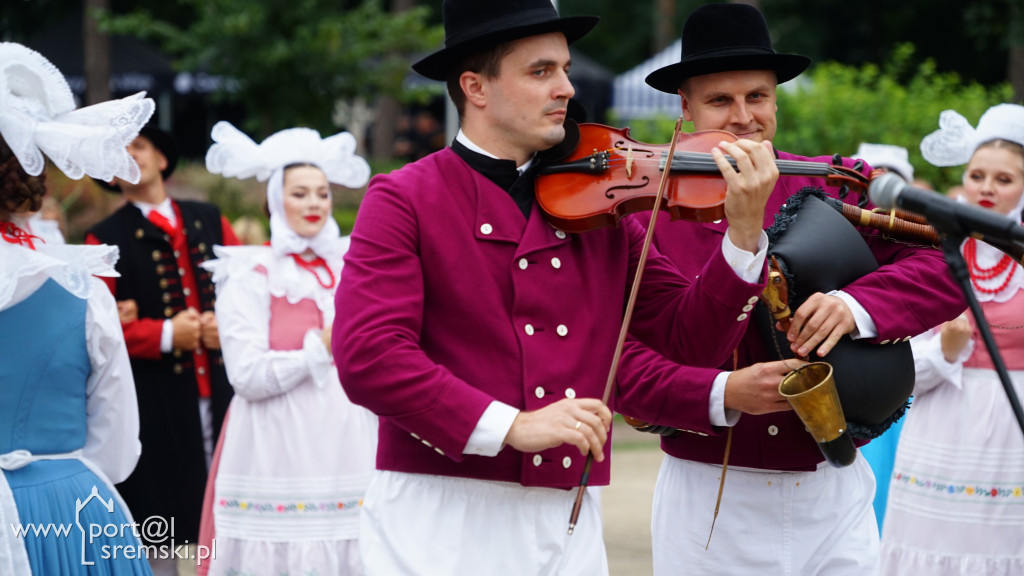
point(837, 107)
point(289, 61)
point(974, 39)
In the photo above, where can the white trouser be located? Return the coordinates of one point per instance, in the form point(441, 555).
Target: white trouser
point(778, 523)
point(416, 524)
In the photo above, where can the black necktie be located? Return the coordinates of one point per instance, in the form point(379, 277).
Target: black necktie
point(503, 173)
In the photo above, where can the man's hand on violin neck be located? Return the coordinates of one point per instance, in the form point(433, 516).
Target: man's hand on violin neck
point(750, 184)
point(582, 422)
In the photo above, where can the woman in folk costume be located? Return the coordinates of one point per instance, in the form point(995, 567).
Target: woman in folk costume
point(296, 454)
point(956, 502)
point(69, 423)
point(881, 451)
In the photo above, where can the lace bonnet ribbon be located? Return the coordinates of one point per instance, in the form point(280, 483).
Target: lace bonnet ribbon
point(955, 141)
point(235, 155)
point(38, 115)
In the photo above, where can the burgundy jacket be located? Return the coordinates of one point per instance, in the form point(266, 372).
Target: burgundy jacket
point(450, 299)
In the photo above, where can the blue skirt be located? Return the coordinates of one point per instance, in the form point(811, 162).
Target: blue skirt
point(67, 529)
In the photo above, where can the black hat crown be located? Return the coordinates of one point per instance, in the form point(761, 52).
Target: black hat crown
point(471, 26)
point(725, 37)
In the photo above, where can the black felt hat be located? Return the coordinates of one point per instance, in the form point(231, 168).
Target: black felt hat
point(471, 26)
point(164, 143)
point(725, 37)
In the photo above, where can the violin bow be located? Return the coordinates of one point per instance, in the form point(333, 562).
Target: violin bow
point(624, 330)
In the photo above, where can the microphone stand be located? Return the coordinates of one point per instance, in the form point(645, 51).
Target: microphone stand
point(951, 241)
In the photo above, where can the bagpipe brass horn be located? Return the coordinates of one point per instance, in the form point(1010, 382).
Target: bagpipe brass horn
point(811, 391)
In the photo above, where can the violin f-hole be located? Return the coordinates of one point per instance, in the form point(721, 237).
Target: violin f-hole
point(609, 192)
point(621, 143)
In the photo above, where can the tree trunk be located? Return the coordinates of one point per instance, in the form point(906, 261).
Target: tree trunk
point(388, 108)
point(1015, 63)
point(97, 54)
point(664, 24)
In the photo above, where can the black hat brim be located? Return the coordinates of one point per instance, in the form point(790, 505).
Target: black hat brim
point(785, 66)
point(437, 65)
point(164, 143)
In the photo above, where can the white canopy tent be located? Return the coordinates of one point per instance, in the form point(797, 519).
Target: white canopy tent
point(633, 98)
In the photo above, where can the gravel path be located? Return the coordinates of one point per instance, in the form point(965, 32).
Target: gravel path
point(627, 501)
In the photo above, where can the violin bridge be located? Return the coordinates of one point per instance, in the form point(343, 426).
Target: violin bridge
point(629, 160)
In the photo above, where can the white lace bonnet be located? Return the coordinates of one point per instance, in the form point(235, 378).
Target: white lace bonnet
point(894, 158)
point(955, 141)
point(38, 115)
point(235, 155)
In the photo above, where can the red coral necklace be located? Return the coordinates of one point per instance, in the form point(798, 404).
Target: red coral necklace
point(978, 273)
point(313, 266)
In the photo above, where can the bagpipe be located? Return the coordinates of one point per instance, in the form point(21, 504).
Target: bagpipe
point(859, 389)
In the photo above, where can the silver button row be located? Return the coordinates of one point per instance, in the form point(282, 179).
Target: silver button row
point(539, 392)
point(524, 263)
point(566, 462)
point(427, 444)
point(561, 330)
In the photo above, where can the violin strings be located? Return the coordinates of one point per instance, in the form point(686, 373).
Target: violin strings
point(705, 161)
point(682, 164)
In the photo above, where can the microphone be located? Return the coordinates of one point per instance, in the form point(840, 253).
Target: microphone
point(889, 191)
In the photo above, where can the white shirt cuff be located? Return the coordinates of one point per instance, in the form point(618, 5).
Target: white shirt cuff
point(747, 265)
point(865, 325)
point(167, 337)
point(717, 412)
point(488, 438)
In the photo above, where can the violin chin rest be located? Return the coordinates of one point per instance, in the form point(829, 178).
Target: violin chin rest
point(567, 146)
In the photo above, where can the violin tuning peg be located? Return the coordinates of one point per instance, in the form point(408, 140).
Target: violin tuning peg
point(837, 160)
point(858, 165)
point(844, 191)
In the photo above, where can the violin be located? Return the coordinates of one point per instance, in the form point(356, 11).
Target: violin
point(609, 175)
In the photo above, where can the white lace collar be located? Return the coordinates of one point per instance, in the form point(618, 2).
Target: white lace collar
point(284, 277)
point(71, 266)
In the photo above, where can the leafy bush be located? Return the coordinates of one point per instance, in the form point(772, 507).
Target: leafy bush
point(837, 107)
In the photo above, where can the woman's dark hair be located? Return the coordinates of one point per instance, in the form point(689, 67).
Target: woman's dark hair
point(300, 165)
point(1001, 144)
point(16, 186)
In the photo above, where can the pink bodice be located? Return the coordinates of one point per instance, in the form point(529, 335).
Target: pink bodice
point(1007, 324)
point(290, 322)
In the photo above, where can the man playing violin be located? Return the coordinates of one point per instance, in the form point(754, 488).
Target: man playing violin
point(482, 336)
point(783, 509)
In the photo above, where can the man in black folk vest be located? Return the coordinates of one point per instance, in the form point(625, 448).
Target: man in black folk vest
point(166, 302)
